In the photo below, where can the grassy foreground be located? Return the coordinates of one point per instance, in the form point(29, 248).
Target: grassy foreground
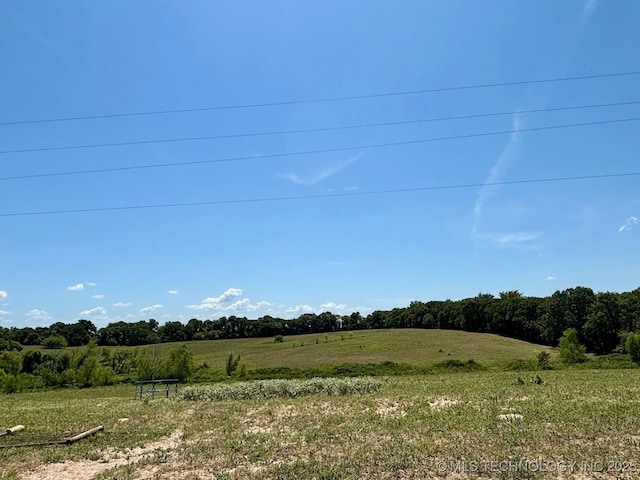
point(433, 426)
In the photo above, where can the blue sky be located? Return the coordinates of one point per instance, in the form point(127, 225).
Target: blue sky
point(341, 253)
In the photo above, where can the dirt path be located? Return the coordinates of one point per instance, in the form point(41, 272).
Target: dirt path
point(83, 469)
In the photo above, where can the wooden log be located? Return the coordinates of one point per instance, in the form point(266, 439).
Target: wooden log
point(82, 435)
point(11, 430)
point(66, 441)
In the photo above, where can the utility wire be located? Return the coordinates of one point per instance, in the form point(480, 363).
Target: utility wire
point(320, 100)
point(330, 195)
point(309, 152)
point(310, 130)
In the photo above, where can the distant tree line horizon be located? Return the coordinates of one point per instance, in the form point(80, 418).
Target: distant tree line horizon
point(603, 320)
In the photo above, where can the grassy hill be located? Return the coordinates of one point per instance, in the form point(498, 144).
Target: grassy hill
point(412, 346)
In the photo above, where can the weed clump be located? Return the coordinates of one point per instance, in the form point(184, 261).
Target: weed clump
point(280, 388)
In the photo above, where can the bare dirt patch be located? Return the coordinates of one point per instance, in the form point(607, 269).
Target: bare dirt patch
point(387, 408)
point(442, 402)
point(109, 459)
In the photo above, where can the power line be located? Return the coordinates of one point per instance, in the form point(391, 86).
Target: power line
point(317, 196)
point(309, 152)
point(311, 130)
point(320, 100)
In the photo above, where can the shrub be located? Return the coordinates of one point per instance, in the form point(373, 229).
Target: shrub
point(570, 349)
point(278, 339)
point(633, 347)
point(544, 360)
point(54, 342)
point(180, 364)
point(231, 364)
point(9, 345)
point(10, 363)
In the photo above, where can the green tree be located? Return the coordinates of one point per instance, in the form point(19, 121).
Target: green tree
point(54, 342)
point(566, 309)
point(10, 363)
point(180, 364)
point(633, 347)
point(148, 363)
point(232, 363)
point(601, 328)
point(172, 332)
point(6, 344)
point(570, 349)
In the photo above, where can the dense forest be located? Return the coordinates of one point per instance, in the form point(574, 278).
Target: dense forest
point(603, 320)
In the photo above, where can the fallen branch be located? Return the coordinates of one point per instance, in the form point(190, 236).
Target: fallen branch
point(66, 441)
point(82, 435)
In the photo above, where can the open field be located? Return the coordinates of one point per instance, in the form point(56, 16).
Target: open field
point(413, 427)
point(411, 346)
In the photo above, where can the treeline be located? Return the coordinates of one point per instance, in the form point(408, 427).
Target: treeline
point(603, 320)
point(90, 367)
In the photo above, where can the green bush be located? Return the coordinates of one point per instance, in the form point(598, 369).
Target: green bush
point(278, 339)
point(18, 383)
point(231, 364)
point(180, 364)
point(633, 347)
point(10, 363)
point(9, 345)
point(570, 349)
point(54, 342)
point(544, 360)
point(147, 363)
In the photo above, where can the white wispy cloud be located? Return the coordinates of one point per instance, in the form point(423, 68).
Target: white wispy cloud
point(550, 278)
point(173, 292)
point(4, 312)
point(91, 284)
point(150, 309)
point(506, 239)
point(336, 308)
point(497, 172)
point(230, 301)
point(122, 304)
point(37, 315)
point(99, 312)
point(3, 294)
point(245, 305)
point(76, 288)
point(300, 309)
point(628, 224)
point(322, 174)
point(333, 306)
point(98, 296)
point(588, 9)
point(216, 303)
